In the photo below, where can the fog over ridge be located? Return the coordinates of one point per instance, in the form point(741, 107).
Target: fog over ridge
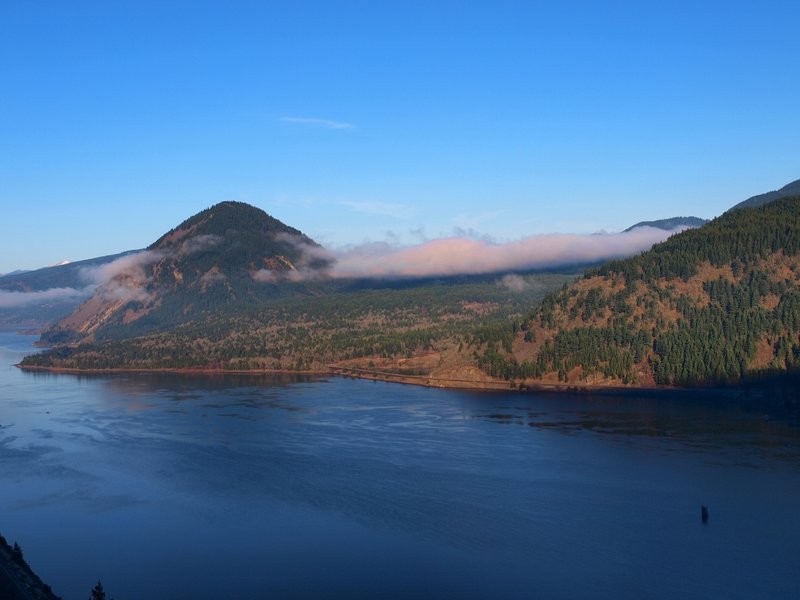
point(126, 277)
point(471, 256)
point(122, 279)
point(16, 299)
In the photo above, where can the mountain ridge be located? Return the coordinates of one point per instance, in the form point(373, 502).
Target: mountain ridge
point(670, 223)
point(790, 189)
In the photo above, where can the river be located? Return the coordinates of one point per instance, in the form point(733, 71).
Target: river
point(177, 486)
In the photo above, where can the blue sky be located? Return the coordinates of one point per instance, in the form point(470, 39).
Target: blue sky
point(392, 121)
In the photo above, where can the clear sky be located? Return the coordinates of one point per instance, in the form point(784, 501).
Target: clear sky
point(392, 121)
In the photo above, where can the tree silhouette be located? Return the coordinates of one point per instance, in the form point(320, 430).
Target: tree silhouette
point(98, 593)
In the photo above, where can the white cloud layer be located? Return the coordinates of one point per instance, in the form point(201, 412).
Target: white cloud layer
point(122, 279)
point(463, 256)
point(9, 299)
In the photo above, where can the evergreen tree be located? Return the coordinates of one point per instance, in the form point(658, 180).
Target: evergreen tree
point(97, 592)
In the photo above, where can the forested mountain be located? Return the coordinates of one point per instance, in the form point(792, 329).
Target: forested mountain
point(671, 223)
point(713, 304)
point(229, 253)
point(790, 189)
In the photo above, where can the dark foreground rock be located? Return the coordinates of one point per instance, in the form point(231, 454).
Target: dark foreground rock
point(17, 579)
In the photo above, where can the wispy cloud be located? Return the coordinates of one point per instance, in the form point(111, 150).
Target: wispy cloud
point(120, 279)
point(464, 221)
point(50, 296)
point(516, 283)
point(472, 234)
point(125, 278)
point(314, 122)
point(313, 263)
point(385, 209)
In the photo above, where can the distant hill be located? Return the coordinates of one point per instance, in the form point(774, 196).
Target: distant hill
point(671, 223)
point(69, 285)
point(790, 189)
point(229, 253)
point(58, 276)
point(714, 304)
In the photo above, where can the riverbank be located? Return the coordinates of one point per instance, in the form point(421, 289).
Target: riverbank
point(183, 371)
point(372, 375)
point(779, 390)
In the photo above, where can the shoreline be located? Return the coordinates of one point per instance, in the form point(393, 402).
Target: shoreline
point(388, 377)
point(755, 392)
point(180, 371)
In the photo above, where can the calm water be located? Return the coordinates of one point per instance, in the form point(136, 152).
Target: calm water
point(169, 486)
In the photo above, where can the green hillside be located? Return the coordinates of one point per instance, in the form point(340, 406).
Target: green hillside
point(408, 327)
point(714, 304)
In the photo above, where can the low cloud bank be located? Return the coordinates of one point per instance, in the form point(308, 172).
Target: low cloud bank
point(9, 299)
point(466, 256)
point(124, 279)
point(120, 279)
point(314, 262)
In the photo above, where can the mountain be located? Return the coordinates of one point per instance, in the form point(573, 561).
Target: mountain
point(671, 223)
point(714, 304)
point(231, 253)
point(790, 189)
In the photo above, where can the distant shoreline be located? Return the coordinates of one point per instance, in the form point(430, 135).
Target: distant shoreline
point(779, 395)
point(181, 371)
point(385, 376)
